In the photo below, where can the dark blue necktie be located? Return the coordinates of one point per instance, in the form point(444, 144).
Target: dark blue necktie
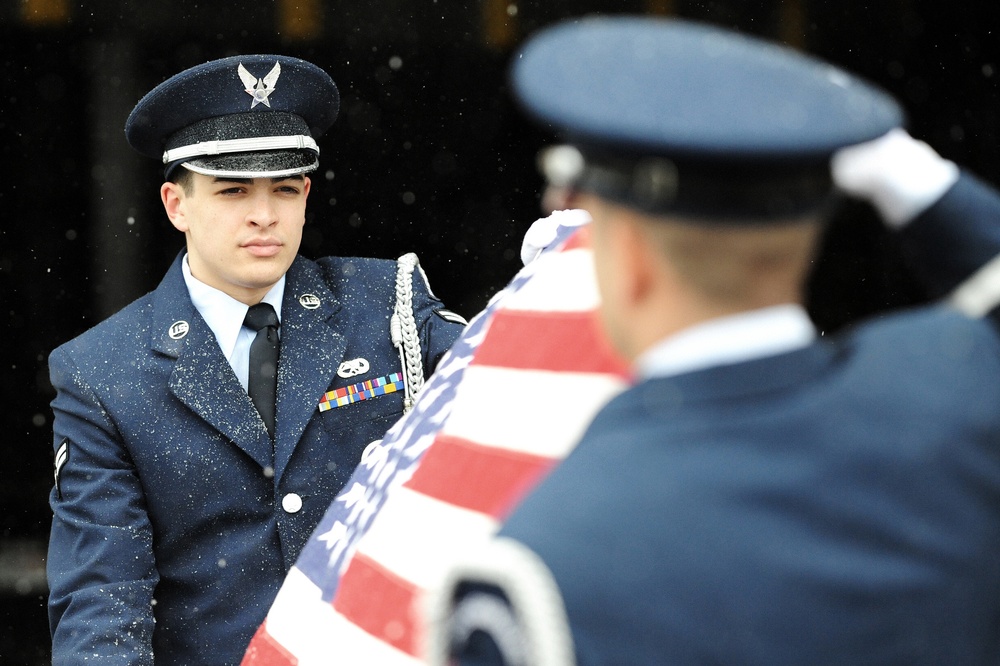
point(262, 384)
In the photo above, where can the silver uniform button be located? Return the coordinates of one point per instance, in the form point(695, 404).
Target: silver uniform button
point(291, 503)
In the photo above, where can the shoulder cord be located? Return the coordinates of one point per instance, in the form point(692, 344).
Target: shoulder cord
point(403, 329)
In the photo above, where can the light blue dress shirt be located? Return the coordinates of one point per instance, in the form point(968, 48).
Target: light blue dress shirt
point(224, 315)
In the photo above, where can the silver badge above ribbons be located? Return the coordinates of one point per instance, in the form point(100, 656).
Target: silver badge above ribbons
point(353, 368)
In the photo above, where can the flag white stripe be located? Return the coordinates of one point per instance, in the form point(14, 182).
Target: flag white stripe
point(416, 536)
point(304, 625)
point(479, 415)
point(567, 285)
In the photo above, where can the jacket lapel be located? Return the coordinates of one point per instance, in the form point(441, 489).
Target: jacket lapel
point(311, 351)
point(202, 378)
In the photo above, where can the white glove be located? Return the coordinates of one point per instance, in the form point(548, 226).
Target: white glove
point(900, 176)
point(542, 232)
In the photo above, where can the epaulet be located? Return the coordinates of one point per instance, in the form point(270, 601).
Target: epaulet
point(498, 599)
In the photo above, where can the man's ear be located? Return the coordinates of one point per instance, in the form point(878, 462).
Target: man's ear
point(637, 260)
point(172, 196)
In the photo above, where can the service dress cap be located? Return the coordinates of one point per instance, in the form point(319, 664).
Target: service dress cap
point(252, 116)
point(673, 116)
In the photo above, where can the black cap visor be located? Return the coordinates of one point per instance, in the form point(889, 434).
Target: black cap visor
point(268, 164)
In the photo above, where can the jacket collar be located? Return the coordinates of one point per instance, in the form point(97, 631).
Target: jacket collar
point(311, 351)
point(202, 378)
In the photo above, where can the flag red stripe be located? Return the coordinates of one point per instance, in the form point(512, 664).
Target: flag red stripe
point(379, 602)
point(554, 341)
point(265, 651)
point(580, 239)
point(501, 476)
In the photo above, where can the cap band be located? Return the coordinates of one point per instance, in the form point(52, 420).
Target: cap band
point(253, 144)
point(693, 188)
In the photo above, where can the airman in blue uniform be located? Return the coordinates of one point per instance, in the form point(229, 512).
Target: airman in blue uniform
point(763, 494)
point(180, 501)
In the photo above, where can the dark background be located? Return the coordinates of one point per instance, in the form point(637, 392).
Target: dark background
point(429, 154)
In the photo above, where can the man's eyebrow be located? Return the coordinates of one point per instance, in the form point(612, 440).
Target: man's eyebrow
point(297, 176)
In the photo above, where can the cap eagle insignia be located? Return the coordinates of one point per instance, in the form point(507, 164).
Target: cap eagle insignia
point(259, 89)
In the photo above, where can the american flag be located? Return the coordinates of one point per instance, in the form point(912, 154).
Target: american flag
point(508, 402)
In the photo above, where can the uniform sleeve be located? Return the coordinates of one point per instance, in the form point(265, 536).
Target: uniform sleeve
point(439, 327)
point(956, 236)
point(101, 570)
point(949, 221)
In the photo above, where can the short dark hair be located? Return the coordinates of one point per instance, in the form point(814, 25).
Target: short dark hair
point(183, 177)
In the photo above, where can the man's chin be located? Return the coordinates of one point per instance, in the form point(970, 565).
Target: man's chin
point(264, 274)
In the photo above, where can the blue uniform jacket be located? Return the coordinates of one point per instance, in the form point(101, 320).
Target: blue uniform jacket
point(171, 531)
point(839, 504)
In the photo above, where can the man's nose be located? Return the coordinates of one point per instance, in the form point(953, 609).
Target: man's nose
point(263, 212)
